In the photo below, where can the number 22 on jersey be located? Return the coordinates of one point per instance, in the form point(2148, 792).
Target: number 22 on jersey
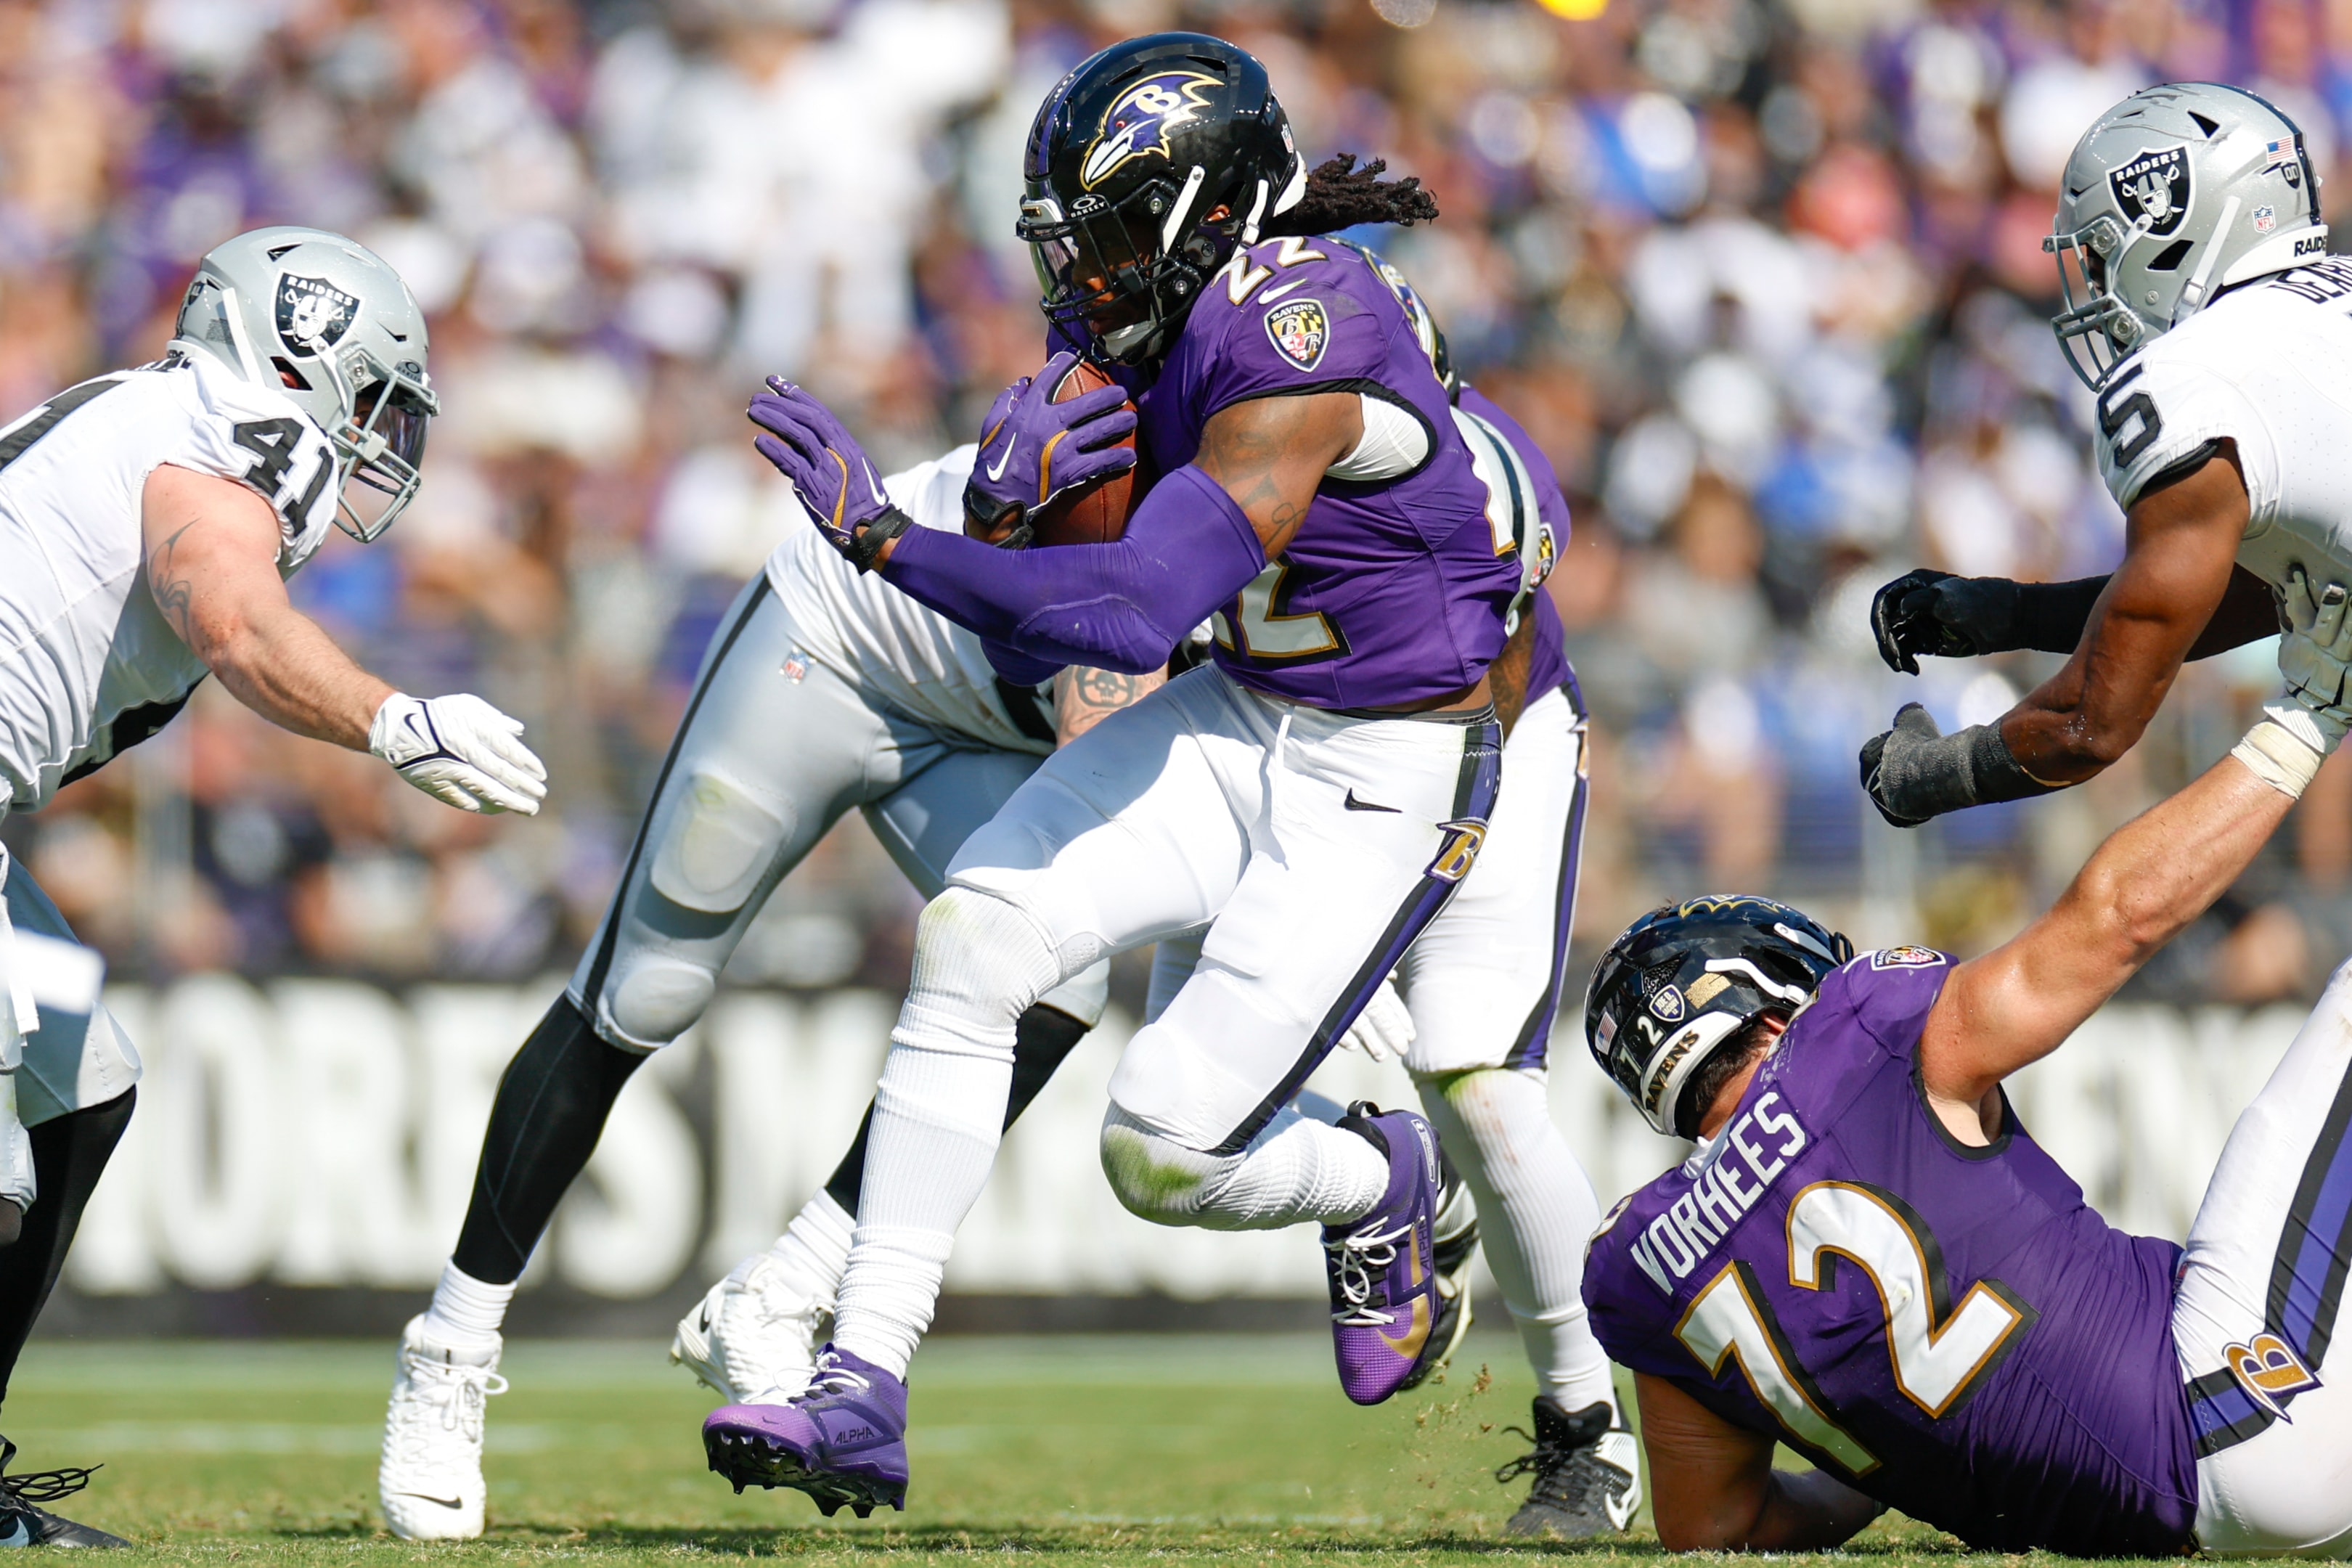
point(1940, 1353)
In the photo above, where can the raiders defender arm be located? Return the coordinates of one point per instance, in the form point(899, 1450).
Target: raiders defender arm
point(1932, 612)
point(2151, 878)
point(1713, 1487)
point(212, 566)
point(2180, 563)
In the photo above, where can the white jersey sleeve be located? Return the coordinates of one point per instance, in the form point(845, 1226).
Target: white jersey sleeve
point(898, 650)
point(2165, 407)
point(88, 663)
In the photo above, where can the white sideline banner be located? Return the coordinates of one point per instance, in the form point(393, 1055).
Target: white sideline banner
point(324, 1132)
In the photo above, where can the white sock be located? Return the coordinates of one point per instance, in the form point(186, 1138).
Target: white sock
point(814, 1247)
point(939, 1114)
point(466, 1313)
point(1536, 1211)
point(1297, 1169)
point(937, 1120)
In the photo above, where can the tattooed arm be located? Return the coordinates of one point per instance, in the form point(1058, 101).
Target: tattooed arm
point(212, 566)
point(1507, 676)
point(1085, 698)
point(1269, 455)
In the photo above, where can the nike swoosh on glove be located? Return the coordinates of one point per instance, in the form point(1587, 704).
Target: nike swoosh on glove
point(1937, 613)
point(460, 750)
point(836, 481)
point(1032, 448)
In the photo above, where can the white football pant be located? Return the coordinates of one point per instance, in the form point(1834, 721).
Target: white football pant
point(1318, 844)
point(1483, 986)
point(773, 749)
point(2256, 1309)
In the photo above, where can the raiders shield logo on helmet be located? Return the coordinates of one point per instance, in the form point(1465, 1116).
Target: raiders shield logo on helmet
point(1299, 330)
point(2153, 188)
point(312, 314)
point(1137, 124)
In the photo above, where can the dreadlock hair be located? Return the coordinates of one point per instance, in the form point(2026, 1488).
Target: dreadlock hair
point(1340, 196)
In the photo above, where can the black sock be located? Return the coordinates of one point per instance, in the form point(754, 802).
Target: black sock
point(550, 1109)
point(68, 1152)
point(1042, 1038)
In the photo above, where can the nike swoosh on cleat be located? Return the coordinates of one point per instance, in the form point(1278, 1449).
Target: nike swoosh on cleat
point(427, 1497)
point(1409, 1344)
point(1352, 804)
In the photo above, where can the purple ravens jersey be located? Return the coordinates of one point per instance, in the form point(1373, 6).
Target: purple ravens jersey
point(1547, 661)
point(1950, 1328)
point(1391, 592)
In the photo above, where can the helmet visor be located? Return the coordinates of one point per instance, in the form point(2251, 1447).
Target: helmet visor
point(1095, 269)
point(382, 445)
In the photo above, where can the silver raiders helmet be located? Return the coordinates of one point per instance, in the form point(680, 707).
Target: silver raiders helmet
point(2175, 193)
point(330, 324)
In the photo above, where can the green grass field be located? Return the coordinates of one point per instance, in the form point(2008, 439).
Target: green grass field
point(1074, 1449)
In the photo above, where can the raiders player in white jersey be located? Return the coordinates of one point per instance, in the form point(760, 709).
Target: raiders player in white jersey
point(823, 689)
point(148, 521)
point(2218, 335)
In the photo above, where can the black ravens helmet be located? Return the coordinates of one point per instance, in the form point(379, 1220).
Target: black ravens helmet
point(1147, 165)
point(1686, 977)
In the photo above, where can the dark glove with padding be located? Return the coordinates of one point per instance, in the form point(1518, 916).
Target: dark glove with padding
point(1915, 772)
point(1937, 613)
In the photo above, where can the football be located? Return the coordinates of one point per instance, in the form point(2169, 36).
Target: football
point(1095, 514)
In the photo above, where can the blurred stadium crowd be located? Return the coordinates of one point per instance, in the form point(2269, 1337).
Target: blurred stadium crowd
point(1765, 278)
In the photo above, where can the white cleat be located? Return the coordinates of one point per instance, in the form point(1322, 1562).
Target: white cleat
point(430, 1477)
point(755, 1337)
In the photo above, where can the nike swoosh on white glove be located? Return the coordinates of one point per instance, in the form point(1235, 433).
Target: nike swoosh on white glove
point(1383, 1030)
point(460, 750)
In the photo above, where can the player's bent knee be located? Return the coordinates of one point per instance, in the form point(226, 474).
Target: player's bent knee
point(653, 1001)
point(719, 842)
point(1155, 1177)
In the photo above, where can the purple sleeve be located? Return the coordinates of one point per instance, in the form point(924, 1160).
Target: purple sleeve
point(1121, 607)
point(1017, 667)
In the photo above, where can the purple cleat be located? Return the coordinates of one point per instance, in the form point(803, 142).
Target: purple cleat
point(843, 1441)
point(1384, 1285)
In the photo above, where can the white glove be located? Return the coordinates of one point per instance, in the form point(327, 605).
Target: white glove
point(1383, 1030)
point(460, 750)
point(2314, 649)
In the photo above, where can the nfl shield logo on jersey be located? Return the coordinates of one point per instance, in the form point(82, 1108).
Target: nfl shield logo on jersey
point(1299, 330)
point(2267, 1368)
point(2153, 189)
point(312, 314)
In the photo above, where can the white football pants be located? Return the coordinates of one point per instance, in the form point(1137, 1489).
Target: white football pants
point(1483, 986)
point(2255, 1312)
point(74, 1060)
point(1318, 844)
point(773, 750)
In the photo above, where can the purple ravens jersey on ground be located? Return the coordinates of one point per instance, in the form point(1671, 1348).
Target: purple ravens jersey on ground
point(1391, 592)
point(1950, 1328)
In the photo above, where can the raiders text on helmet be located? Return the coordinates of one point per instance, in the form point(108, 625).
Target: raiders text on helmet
point(2175, 193)
point(327, 322)
point(1146, 166)
point(1684, 979)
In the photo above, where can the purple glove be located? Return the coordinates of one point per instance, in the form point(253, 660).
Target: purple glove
point(1035, 449)
point(809, 446)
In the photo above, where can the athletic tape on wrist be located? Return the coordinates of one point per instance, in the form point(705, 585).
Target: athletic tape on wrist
point(2279, 757)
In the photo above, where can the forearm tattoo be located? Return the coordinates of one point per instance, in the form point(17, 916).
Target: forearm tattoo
point(1085, 698)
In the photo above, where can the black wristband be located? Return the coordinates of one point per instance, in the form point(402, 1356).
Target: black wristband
point(871, 538)
point(2051, 615)
point(1994, 771)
